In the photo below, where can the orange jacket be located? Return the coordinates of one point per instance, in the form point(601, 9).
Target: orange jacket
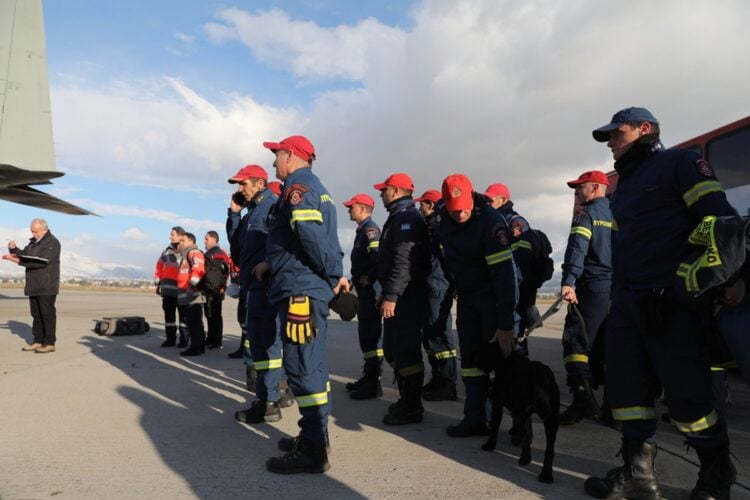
point(167, 269)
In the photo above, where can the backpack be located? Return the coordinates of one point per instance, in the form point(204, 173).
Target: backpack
point(127, 325)
point(542, 264)
point(214, 282)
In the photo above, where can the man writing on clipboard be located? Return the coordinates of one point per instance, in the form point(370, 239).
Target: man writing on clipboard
point(41, 258)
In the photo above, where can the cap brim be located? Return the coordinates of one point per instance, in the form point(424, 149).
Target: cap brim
point(236, 180)
point(349, 203)
point(273, 146)
point(381, 186)
point(602, 133)
point(574, 183)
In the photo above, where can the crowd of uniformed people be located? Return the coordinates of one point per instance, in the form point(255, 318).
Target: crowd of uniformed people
point(626, 328)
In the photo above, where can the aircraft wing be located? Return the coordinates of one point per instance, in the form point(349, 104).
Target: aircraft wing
point(26, 195)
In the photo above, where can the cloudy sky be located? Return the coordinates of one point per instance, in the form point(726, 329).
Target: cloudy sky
point(156, 104)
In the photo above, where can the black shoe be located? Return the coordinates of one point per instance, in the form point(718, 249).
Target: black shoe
point(305, 456)
point(353, 386)
point(285, 398)
point(442, 390)
point(286, 444)
point(193, 351)
point(259, 411)
point(405, 413)
point(716, 475)
point(635, 479)
point(236, 354)
point(183, 343)
point(213, 345)
point(369, 389)
point(584, 405)
point(169, 343)
point(467, 429)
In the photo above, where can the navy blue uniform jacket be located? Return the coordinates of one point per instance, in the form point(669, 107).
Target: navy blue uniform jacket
point(303, 247)
point(404, 254)
point(365, 251)
point(588, 256)
point(661, 196)
point(479, 258)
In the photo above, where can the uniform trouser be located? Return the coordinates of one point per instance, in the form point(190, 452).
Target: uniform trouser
point(476, 322)
point(580, 332)
point(214, 320)
point(194, 319)
point(306, 367)
point(369, 328)
point(526, 299)
point(650, 339)
point(44, 318)
point(437, 339)
point(402, 333)
point(265, 344)
point(242, 310)
point(171, 311)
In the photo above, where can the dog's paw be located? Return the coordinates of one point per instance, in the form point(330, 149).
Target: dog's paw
point(524, 459)
point(546, 477)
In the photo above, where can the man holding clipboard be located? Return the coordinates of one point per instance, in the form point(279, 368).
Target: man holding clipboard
point(41, 258)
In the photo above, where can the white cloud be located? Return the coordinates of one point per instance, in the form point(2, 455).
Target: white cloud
point(502, 91)
point(183, 37)
point(149, 213)
point(134, 234)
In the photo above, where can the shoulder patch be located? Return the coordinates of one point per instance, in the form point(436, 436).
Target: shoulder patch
point(704, 168)
point(406, 227)
point(371, 233)
point(577, 215)
point(294, 193)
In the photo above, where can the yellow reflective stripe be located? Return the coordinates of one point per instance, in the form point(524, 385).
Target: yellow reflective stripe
point(701, 424)
point(373, 244)
point(305, 215)
point(583, 231)
point(445, 354)
point(318, 399)
point(634, 413)
point(498, 257)
point(411, 370)
point(328, 386)
point(576, 358)
point(324, 198)
point(614, 226)
point(720, 368)
point(246, 343)
point(268, 364)
point(473, 372)
point(372, 354)
point(521, 244)
point(700, 190)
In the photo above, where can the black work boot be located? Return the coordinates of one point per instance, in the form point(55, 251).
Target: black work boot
point(259, 411)
point(251, 377)
point(467, 429)
point(171, 333)
point(716, 476)
point(408, 409)
point(170, 342)
point(305, 456)
point(286, 444)
point(183, 341)
point(441, 390)
point(635, 479)
point(240, 350)
point(369, 388)
point(584, 404)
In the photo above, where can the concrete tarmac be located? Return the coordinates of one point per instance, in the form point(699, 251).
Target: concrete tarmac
point(121, 417)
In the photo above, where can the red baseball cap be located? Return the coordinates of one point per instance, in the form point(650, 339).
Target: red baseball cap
point(497, 190)
point(432, 195)
point(299, 145)
point(591, 176)
point(275, 187)
point(362, 199)
point(249, 172)
point(396, 180)
point(457, 193)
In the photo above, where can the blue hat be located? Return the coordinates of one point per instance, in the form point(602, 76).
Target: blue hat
point(627, 115)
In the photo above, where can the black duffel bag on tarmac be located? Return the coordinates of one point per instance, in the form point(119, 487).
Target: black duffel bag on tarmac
point(124, 325)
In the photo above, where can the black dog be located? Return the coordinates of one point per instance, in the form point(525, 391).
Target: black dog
point(525, 387)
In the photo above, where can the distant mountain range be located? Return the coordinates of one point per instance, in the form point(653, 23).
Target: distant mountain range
point(76, 266)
